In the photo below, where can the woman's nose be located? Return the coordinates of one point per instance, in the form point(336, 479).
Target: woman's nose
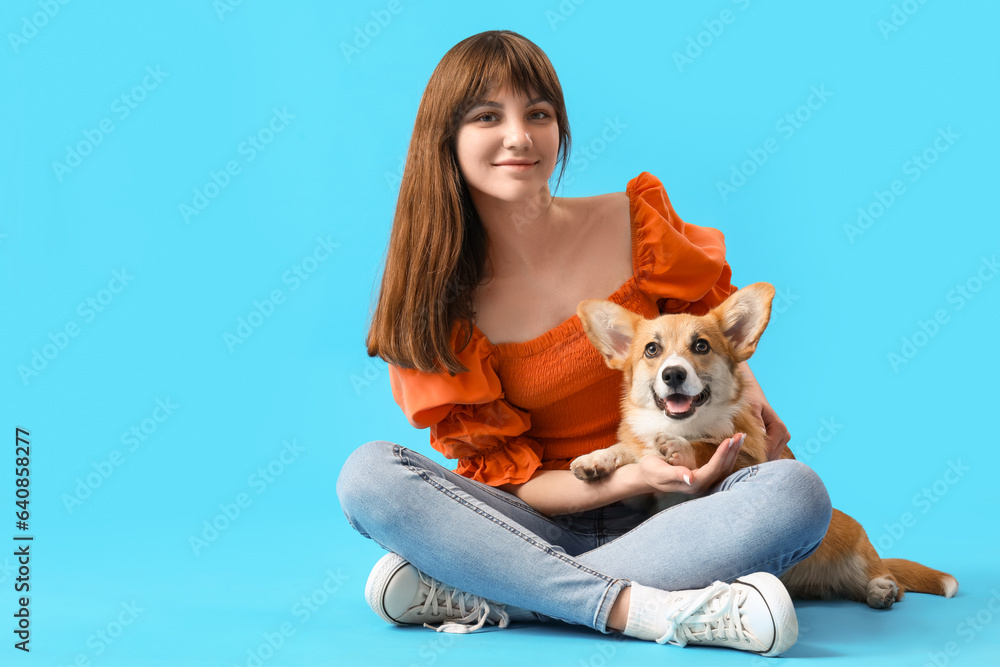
point(516, 136)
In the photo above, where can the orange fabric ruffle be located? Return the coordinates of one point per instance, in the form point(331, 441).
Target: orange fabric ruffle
point(511, 462)
point(683, 265)
point(468, 418)
point(427, 398)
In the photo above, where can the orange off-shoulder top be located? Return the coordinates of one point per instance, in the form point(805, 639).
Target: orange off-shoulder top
point(541, 403)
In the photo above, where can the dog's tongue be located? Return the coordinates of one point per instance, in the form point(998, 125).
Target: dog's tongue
point(679, 403)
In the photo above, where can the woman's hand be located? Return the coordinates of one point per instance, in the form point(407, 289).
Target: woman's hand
point(662, 476)
point(775, 430)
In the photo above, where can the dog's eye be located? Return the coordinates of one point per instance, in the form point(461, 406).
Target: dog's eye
point(652, 349)
point(701, 346)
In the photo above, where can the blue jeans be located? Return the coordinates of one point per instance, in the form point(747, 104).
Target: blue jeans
point(485, 541)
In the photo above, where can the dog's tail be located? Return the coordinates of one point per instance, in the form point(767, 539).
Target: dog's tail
point(920, 578)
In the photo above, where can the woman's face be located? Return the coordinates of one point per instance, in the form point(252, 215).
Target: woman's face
point(507, 146)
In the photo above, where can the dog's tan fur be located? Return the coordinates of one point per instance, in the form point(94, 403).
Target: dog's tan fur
point(711, 347)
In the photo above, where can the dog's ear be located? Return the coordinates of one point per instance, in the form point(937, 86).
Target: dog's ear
point(744, 316)
point(610, 328)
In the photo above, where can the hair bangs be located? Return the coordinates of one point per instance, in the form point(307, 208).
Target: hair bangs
point(506, 63)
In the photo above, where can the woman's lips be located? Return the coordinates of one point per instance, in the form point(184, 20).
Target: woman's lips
point(516, 166)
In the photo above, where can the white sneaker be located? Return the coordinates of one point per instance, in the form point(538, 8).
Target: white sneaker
point(754, 613)
point(402, 594)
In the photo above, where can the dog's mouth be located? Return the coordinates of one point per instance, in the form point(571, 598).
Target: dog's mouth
point(682, 406)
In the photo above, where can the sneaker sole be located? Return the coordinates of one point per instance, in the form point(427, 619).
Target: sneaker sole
point(779, 603)
point(384, 569)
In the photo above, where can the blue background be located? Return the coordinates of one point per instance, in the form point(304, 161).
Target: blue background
point(333, 125)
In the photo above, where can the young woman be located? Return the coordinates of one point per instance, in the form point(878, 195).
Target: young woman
point(476, 318)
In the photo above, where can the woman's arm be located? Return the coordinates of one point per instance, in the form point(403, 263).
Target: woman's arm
point(555, 492)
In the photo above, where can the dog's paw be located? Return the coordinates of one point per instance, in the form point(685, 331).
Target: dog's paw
point(595, 465)
point(676, 451)
point(882, 592)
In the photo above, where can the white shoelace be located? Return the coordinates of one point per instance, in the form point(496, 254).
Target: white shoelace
point(712, 614)
point(473, 611)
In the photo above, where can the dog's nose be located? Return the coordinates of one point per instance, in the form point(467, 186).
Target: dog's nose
point(674, 376)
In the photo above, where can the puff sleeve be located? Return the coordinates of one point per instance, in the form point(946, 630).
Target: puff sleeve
point(469, 419)
point(681, 266)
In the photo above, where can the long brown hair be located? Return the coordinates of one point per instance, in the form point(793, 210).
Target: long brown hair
point(437, 248)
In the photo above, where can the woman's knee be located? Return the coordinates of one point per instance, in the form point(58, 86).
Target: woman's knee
point(804, 498)
point(364, 474)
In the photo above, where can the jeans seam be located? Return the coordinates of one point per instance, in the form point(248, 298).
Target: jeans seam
point(603, 602)
point(521, 505)
point(542, 547)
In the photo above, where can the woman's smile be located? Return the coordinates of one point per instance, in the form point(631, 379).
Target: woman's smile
point(516, 165)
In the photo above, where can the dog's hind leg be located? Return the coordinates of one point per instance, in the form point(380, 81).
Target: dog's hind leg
point(844, 566)
point(881, 588)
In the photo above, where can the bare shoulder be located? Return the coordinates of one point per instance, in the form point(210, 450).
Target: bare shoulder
point(611, 226)
point(604, 215)
point(613, 202)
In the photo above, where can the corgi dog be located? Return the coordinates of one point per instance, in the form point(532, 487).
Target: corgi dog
point(683, 395)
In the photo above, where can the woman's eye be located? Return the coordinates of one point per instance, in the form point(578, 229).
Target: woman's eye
point(652, 349)
point(486, 117)
point(701, 346)
point(539, 115)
